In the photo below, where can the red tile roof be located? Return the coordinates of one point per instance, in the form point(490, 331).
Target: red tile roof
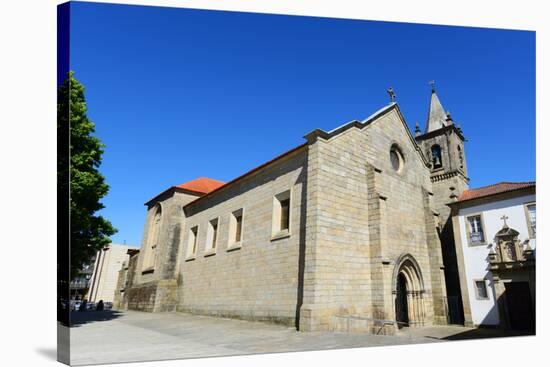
point(201, 185)
point(494, 189)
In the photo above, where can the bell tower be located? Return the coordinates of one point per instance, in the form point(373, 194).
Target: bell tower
point(443, 145)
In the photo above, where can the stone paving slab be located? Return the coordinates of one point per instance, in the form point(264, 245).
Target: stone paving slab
point(130, 336)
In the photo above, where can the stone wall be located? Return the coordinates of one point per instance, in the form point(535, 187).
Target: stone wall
point(121, 284)
point(141, 297)
point(169, 238)
point(155, 289)
point(125, 283)
point(259, 279)
point(337, 270)
point(362, 216)
point(405, 211)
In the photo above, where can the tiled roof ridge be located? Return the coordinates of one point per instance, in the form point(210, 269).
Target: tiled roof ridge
point(505, 182)
point(493, 189)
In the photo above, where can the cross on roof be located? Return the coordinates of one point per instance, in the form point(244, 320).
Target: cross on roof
point(392, 94)
point(504, 217)
point(432, 84)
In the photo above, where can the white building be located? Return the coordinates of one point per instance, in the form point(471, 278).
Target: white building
point(495, 237)
point(105, 276)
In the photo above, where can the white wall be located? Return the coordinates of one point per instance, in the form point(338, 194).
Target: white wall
point(485, 312)
point(104, 279)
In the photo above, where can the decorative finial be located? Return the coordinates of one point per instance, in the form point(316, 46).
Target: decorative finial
point(432, 84)
point(504, 217)
point(459, 128)
point(449, 118)
point(392, 94)
point(416, 129)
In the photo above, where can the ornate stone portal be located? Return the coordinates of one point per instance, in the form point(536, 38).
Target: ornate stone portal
point(512, 264)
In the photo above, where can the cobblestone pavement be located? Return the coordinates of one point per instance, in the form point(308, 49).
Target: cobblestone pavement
point(110, 337)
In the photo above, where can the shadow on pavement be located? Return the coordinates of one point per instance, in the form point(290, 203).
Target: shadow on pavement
point(80, 318)
point(49, 353)
point(483, 333)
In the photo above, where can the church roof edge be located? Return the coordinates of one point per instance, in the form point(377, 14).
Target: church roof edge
point(252, 171)
point(312, 135)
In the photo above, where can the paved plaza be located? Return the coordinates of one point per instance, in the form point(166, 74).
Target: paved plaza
point(129, 336)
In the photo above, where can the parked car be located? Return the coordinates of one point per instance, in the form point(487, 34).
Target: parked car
point(107, 305)
point(90, 306)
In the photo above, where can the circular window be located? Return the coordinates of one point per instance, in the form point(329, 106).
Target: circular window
point(396, 159)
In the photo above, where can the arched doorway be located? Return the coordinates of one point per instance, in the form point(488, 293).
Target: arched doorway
point(409, 292)
point(401, 305)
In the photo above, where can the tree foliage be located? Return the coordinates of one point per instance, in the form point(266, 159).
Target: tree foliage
point(89, 232)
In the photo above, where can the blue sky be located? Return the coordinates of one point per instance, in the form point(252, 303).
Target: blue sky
point(176, 93)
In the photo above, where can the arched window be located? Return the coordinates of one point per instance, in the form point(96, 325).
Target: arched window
point(436, 156)
point(152, 240)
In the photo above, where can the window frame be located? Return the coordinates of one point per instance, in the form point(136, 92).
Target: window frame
point(276, 231)
point(477, 296)
point(232, 244)
point(401, 157)
point(432, 147)
point(211, 243)
point(468, 231)
point(528, 219)
point(153, 237)
point(192, 246)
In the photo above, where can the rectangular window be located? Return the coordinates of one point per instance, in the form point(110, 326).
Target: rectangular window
point(475, 230)
point(239, 227)
point(481, 289)
point(285, 207)
point(212, 235)
point(281, 214)
point(531, 210)
point(192, 243)
point(238, 223)
point(235, 229)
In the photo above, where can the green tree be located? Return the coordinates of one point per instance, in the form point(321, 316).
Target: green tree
point(78, 175)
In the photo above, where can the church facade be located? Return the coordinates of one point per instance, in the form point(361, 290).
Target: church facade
point(349, 230)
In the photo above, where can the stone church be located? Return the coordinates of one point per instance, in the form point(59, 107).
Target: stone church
point(349, 230)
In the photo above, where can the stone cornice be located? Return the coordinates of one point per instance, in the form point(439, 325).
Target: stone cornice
point(446, 175)
point(511, 266)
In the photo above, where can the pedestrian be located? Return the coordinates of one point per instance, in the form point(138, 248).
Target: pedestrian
point(82, 307)
point(99, 306)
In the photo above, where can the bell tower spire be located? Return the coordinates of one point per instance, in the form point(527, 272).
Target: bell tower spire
point(437, 117)
point(442, 141)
